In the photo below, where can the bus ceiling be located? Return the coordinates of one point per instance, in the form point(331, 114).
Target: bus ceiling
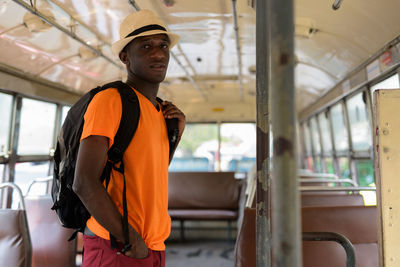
point(67, 44)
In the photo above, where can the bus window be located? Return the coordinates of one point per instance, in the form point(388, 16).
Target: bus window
point(317, 165)
point(307, 138)
point(325, 134)
point(199, 140)
point(390, 83)
point(64, 112)
point(315, 136)
point(344, 167)
point(25, 173)
point(365, 173)
point(307, 143)
point(329, 165)
point(339, 128)
point(238, 146)
point(242, 165)
point(183, 164)
point(5, 118)
point(360, 127)
point(37, 127)
point(1, 172)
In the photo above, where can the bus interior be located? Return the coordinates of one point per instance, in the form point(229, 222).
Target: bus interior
point(289, 153)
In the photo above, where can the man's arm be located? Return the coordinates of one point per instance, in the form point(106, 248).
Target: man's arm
point(92, 156)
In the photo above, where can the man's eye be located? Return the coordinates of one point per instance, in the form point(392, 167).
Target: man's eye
point(146, 46)
point(165, 46)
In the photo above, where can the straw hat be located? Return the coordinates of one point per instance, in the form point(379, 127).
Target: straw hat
point(141, 23)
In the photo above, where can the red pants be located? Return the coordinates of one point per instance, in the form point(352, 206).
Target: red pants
point(98, 253)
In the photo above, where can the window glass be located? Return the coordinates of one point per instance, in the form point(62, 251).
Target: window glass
point(181, 164)
point(365, 173)
point(238, 146)
point(344, 167)
point(315, 135)
point(37, 127)
point(339, 128)
point(64, 112)
point(25, 173)
point(1, 173)
point(317, 165)
point(307, 138)
point(360, 127)
point(329, 165)
point(309, 164)
point(390, 83)
point(198, 142)
point(5, 122)
point(325, 133)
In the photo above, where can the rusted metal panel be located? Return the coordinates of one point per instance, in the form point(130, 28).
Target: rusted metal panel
point(263, 235)
point(387, 157)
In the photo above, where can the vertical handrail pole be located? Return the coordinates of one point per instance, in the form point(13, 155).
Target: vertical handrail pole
point(286, 223)
point(263, 234)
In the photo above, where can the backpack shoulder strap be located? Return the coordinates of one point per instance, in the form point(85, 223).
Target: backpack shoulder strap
point(173, 132)
point(126, 131)
point(129, 120)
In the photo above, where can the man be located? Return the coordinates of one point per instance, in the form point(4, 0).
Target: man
point(144, 48)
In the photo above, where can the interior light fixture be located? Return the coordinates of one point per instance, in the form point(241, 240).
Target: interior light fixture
point(86, 53)
point(36, 24)
point(4, 4)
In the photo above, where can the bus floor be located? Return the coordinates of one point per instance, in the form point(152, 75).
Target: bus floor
point(205, 244)
point(196, 253)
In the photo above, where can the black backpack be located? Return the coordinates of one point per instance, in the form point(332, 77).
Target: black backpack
point(70, 210)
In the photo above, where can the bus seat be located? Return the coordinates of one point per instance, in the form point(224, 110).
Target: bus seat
point(49, 239)
point(245, 247)
point(15, 243)
point(357, 223)
point(319, 200)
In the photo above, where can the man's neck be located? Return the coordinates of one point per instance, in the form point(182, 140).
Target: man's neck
point(149, 90)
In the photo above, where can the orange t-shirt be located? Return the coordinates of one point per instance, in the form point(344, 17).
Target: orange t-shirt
point(146, 166)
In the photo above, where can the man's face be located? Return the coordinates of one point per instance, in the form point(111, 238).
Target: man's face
point(148, 57)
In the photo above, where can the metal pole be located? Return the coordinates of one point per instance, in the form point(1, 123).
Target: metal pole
point(286, 223)
point(263, 234)
point(239, 54)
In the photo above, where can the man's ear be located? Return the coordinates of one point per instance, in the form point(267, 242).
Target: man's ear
point(123, 56)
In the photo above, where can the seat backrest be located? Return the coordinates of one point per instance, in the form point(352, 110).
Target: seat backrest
point(245, 247)
point(202, 190)
point(319, 200)
point(15, 243)
point(357, 223)
point(49, 239)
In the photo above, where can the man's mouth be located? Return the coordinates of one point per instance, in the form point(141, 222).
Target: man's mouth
point(158, 67)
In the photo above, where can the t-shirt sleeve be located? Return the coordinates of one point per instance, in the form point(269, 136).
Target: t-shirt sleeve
point(103, 115)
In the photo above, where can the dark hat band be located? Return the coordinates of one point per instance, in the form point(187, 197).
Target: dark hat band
point(146, 28)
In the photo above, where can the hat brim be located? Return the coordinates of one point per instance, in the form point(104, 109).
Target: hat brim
point(119, 45)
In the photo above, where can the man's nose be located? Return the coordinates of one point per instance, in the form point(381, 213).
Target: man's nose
point(158, 53)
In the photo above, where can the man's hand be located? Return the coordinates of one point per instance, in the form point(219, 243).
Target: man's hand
point(170, 111)
point(139, 249)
